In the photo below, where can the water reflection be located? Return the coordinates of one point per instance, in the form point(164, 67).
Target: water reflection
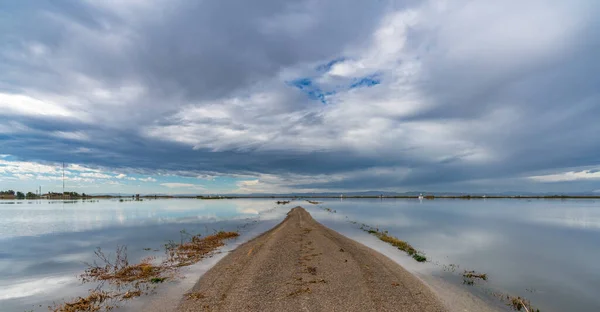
point(43, 247)
point(545, 250)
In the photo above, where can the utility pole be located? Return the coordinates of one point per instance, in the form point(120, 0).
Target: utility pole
point(63, 173)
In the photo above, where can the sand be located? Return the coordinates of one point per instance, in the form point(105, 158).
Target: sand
point(301, 265)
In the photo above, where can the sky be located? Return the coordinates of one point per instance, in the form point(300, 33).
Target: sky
point(276, 96)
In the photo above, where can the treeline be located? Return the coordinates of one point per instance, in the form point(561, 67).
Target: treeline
point(10, 194)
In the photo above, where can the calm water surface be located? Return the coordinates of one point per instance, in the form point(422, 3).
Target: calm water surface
point(545, 250)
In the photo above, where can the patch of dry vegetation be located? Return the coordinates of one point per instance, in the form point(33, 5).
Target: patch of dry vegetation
point(518, 303)
point(97, 300)
point(475, 275)
point(128, 281)
point(197, 248)
point(120, 272)
point(398, 243)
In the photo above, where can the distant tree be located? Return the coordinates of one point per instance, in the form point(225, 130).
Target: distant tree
point(31, 195)
point(9, 192)
point(20, 195)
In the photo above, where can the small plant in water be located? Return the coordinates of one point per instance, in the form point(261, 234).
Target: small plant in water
point(128, 280)
point(520, 304)
point(400, 244)
point(156, 280)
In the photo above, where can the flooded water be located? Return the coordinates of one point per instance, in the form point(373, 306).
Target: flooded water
point(544, 250)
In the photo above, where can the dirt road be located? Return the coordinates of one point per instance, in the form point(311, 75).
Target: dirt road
point(300, 265)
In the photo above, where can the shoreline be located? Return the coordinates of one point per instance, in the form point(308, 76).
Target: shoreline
point(426, 197)
point(302, 265)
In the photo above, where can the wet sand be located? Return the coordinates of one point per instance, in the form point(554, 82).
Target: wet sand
point(301, 265)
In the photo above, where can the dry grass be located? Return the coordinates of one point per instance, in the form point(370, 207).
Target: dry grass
point(515, 303)
point(96, 301)
point(197, 248)
point(400, 244)
point(133, 280)
point(120, 272)
point(131, 294)
point(520, 304)
point(475, 275)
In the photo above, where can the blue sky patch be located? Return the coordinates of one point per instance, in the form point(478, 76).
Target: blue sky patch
point(308, 87)
point(316, 92)
point(367, 81)
point(327, 66)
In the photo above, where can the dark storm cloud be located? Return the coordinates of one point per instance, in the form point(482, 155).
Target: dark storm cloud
point(201, 49)
point(499, 91)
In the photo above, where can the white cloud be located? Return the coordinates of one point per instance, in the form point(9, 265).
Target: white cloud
point(96, 175)
point(25, 176)
point(247, 183)
point(568, 176)
point(17, 104)
point(183, 185)
point(453, 75)
point(27, 167)
point(206, 177)
point(76, 167)
point(368, 121)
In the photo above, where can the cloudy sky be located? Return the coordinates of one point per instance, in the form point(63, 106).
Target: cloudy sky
point(186, 96)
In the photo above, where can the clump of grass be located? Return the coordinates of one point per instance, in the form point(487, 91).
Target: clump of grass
point(419, 258)
point(469, 282)
point(469, 277)
point(518, 304)
point(400, 244)
point(133, 280)
point(475, 275)
point(157, 280)
point(95, 301)
point(119, 271)
point(197, 248)
point(131, 294)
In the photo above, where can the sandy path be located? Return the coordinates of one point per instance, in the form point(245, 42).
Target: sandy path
point(300, 265)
